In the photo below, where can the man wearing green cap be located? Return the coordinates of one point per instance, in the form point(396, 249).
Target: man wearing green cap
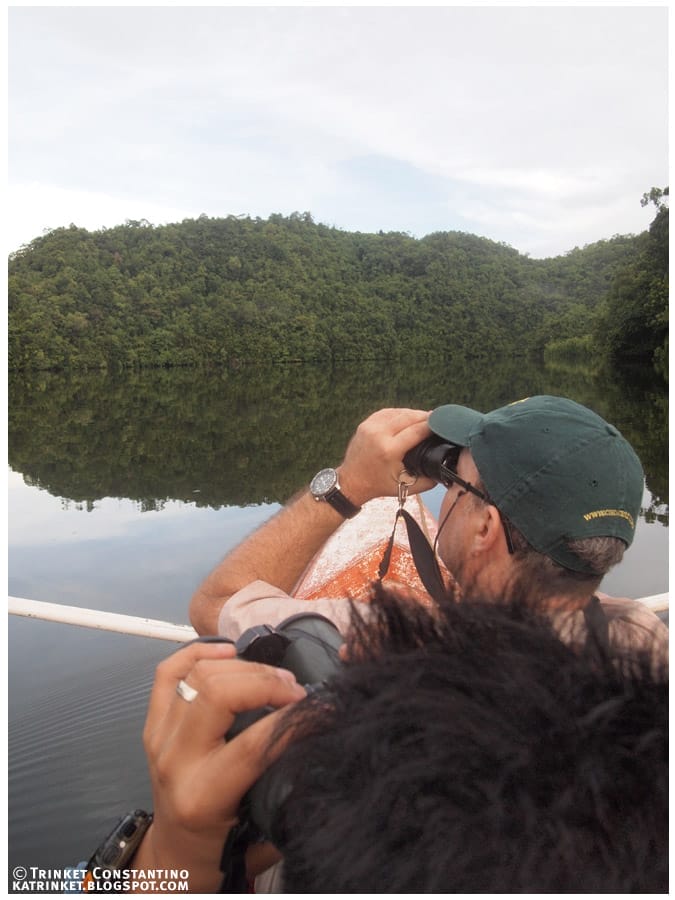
point(542, 500)
point(563, 485)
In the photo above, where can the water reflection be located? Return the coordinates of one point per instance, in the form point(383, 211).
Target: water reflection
point(224, 438)
point(127, 490)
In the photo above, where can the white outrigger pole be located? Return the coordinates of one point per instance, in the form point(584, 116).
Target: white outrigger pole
point(154, 628)
point(96, 618)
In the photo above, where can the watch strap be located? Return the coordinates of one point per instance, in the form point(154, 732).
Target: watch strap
point(339, 502)
point(118, 849)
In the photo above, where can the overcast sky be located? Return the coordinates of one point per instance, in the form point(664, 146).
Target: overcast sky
point(537, 126)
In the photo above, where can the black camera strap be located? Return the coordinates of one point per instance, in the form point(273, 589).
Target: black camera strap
point(233, 859)
point(422, 554)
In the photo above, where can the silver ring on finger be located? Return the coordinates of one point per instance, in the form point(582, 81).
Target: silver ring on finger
point(184, 690)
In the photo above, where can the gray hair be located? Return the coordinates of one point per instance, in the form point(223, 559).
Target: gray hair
point(599, 554)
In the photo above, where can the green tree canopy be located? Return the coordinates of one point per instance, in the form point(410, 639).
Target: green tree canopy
point(229, 290)
point(633, 323)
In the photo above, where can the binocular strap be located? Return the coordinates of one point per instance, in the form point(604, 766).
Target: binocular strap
point(422, 554)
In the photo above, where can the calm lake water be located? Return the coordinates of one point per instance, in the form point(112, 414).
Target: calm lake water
point(125, 491)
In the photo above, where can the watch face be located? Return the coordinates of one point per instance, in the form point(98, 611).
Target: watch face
point(323, 482)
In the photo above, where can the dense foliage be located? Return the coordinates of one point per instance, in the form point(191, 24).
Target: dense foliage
point(230, 290)
point(634, 321)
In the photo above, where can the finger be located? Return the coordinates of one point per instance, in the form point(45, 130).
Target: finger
point(216, 780)
point(412, 434)
point(395, 419)
point(223, 691)
point(421, 485)
point(238, 764)
point(387, 433)
point(407, 418)
point(171, 670)
point(174, 708)
point(253, 751)
point(260, 857)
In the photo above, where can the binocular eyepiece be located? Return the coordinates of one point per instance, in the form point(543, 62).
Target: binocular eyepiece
point(431, 456)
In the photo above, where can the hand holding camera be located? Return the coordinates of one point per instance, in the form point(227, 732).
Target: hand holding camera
point(199, 779)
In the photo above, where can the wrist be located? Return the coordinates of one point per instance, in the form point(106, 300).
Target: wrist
point(354, 488)
point(327, 488)
point(175, 848)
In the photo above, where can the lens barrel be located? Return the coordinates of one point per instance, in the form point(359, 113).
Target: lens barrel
point(308, 645)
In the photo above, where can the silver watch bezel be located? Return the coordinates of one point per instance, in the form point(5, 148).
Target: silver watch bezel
point(320, 493)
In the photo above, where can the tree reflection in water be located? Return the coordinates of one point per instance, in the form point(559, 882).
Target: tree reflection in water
point(255, 435)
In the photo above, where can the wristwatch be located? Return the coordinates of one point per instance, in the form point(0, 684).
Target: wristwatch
point(113, 856)
point(326, 487)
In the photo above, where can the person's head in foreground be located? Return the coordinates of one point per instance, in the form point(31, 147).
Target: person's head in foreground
point(473, 751)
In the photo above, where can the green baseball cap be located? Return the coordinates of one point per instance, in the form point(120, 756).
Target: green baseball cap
point(554, 467)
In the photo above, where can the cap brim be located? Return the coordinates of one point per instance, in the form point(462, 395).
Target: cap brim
point(455, 423)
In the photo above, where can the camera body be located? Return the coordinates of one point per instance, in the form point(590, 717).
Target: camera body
point(306, 644)
point(431, 456)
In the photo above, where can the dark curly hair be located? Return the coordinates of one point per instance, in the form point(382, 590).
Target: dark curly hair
point(467, 749)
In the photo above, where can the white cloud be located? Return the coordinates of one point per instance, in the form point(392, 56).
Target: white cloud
point(39, 207)
point(514, 114)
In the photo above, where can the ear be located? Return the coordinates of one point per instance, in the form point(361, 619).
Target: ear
point(489, 530)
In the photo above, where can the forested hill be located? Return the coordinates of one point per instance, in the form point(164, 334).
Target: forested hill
point(237, 289)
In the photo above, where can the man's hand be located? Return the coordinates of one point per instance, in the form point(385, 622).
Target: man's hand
point(374, 457)
point(198, 779)
point(280, 551)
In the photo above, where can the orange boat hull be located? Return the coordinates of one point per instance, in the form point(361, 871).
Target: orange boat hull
point(349, 561)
